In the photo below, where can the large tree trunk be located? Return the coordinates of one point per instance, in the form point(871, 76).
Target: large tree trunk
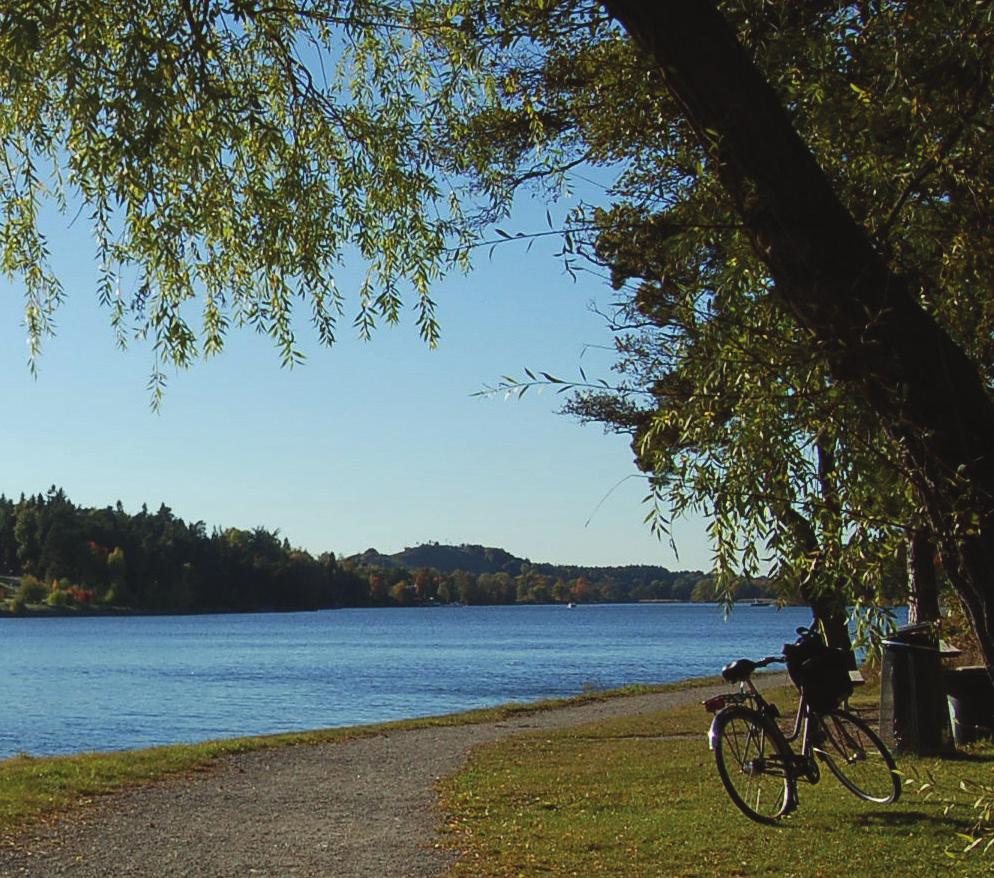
point(827, 273)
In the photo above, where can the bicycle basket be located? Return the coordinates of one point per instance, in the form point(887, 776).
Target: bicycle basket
point(819, 671)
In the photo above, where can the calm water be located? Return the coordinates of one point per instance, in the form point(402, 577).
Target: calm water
point(116, 683)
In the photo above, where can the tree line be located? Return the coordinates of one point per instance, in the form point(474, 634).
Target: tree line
point(71, 556)
point(545, 583)
point(64, 556)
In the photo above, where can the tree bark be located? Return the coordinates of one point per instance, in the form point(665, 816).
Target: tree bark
point(862, 317)
point(827, 606)
point(923, 586)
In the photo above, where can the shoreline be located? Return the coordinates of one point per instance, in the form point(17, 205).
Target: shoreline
point(45, 612)
point(495, 713)
point(359, 805)
point(96, 612)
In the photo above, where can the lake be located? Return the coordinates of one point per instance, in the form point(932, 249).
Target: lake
point(109, 683)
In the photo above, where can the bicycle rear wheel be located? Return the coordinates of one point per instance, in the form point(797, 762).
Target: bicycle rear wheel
point(858, 758)
point(753, 762)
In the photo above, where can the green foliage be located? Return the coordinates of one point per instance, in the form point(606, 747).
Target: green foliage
point(231, 156)
point(31, 590)
point(59, 597)
point(959, 795)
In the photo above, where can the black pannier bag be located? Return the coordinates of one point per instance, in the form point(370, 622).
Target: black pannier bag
point(819, 671)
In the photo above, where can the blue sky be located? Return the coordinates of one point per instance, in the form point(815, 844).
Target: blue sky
point(378, 444)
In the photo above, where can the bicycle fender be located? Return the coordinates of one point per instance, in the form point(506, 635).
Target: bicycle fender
point(713, 732)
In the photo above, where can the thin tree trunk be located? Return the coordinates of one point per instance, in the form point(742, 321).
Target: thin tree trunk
point(875, 338)
point(828, 605)
point(923, 586)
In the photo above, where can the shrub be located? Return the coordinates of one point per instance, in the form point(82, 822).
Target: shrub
point(31, 590)
point(81, 596)
point(59, 598)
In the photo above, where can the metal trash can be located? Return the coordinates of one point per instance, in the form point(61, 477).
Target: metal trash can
point(914, 716)
point(970, 693)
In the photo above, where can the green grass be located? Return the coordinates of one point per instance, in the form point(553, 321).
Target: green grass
point(641, 797)
point(33, 788)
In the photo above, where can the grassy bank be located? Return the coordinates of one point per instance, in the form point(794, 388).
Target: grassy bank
point(640, 796)
point(32, 788)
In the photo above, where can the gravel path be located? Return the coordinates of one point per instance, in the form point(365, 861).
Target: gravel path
point(343, 810)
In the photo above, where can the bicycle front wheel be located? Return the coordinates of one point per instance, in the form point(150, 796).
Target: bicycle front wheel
point(858, 758)
point(753, 762)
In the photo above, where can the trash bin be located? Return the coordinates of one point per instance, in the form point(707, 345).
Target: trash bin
point(970, 693)
point(914, 715)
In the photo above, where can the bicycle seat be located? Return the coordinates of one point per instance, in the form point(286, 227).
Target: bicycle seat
point(739, 670)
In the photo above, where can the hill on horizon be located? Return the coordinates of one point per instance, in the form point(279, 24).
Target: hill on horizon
point(446, 559)
point(486, 559)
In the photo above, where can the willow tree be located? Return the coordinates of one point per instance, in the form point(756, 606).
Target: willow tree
point(734, 404)
point(232, 155)
point(834, 277)
point(893, 105)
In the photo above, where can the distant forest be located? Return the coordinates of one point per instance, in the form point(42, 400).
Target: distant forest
point(57, 556)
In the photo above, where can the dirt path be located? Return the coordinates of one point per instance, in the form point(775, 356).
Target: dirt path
point(360, 808)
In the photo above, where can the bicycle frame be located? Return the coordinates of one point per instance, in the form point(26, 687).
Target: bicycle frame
point(802, 727)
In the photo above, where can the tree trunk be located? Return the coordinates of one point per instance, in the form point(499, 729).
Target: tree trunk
point(861, 316)
point(923, 586)
point(828, 605)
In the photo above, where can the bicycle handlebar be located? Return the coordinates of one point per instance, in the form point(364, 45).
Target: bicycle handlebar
point(770, 660)
point(741, 669)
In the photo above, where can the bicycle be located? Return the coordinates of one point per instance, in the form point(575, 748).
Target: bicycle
point(756, 763)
